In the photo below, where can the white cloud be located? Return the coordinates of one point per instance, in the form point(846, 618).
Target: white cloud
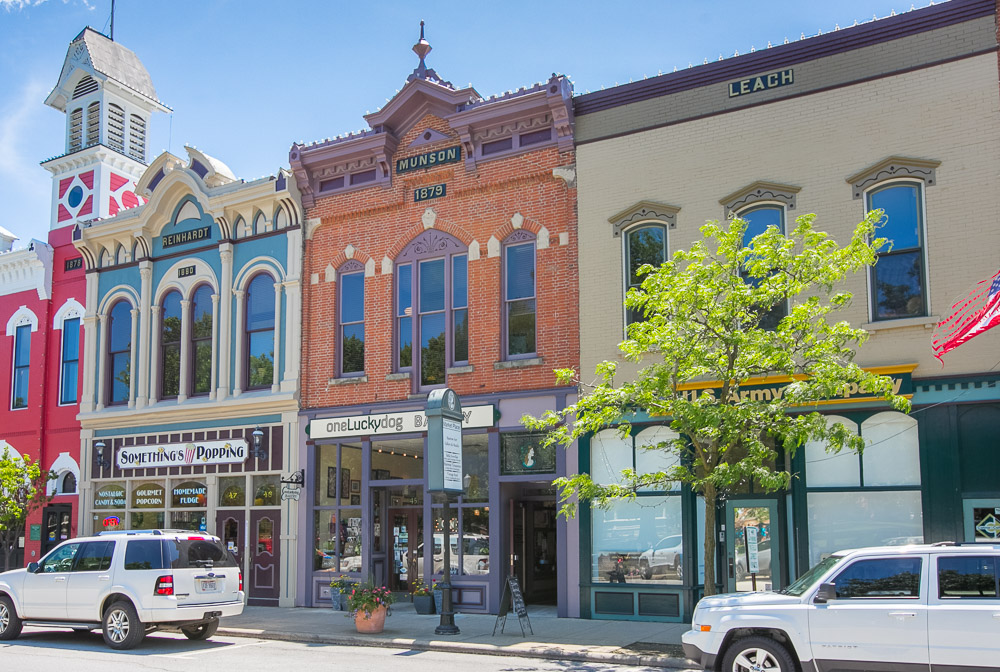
point(19, 4)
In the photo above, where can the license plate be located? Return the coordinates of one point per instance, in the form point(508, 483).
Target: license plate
point(208, 586)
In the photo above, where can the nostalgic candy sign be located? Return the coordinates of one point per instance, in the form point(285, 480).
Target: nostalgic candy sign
point(182, 454)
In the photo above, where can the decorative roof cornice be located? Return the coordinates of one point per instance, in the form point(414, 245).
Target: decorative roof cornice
point(27, 269)
point(874, 32)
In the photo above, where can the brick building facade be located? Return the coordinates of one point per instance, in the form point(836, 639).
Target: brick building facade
point(440, 251)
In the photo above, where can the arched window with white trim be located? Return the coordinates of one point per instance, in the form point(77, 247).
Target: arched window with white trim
point(645, 243)
point(898, 280)
point(260, 322)
point(201, 340)
point(351, 318)
point(119, 354)
point(170, 345)
point(759, 218)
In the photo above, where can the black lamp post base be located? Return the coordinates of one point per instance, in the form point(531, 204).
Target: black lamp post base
point(447, 628)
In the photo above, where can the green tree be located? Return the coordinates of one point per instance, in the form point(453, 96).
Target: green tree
point(703, 322)
point(22, 491)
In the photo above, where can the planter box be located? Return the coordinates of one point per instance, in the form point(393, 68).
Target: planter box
point(336, 599)
point(423, 604)
point(438, 600)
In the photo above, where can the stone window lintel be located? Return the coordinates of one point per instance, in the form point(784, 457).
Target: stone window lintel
point(644, 211)
point(891, 167)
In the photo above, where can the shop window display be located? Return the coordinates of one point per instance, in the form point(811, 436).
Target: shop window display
point(638, 541)
point(232, 491)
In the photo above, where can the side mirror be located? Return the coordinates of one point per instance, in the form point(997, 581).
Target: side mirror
point(32, 567)
point(827, 592)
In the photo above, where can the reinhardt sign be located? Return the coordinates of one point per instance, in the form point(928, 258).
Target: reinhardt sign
point(182, 454)
point(392, 423)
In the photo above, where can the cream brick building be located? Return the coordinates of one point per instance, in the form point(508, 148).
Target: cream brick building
point(835, 124)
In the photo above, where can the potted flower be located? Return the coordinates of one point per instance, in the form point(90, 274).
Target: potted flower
point(423, 601)
point(438, 596)
point(338, 587)
point(369, 605)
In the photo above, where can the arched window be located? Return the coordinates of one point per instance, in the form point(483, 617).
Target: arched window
point(644, 244)
point(137, 137)
point(93, 123)
point(260, 332)
point(898, 279)
point(22, 364)
point(116, 127)
point(68, 484)
point(432, 307)
point(170, 346)
point(70, 367)
point(280, 219)
point(242, 229)
point(351, 314)
point(75, 130)
point(259, 223)
point(119, 352)
point(105, 258)
point(759, 218)
point(120, 255)
point(201, 341)
point(519, 294)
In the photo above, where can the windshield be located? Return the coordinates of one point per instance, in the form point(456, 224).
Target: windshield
point(806, 581)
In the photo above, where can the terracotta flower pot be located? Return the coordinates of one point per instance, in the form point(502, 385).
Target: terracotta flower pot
point(370, 625)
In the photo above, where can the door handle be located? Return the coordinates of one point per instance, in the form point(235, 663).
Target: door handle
point(902, 614)
point(60, 578)
point(732, 572)
point(104, 578)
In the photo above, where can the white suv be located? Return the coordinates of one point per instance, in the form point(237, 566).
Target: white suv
point(127, 584)
point(928, 607)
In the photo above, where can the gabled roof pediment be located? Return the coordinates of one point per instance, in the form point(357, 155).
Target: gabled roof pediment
point(417, 99)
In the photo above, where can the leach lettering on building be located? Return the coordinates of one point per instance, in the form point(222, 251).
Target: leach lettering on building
point(201, 233)
point(391, 423)
point(181, 454)
point(429, 159)
point(762, 83)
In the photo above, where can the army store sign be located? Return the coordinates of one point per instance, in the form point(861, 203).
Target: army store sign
point(182, 454)
point(902, 383)
point(392, 423)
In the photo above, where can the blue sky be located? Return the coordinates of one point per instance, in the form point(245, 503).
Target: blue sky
point(246, 78)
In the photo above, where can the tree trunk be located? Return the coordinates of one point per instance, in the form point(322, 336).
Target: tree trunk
point(710, 495)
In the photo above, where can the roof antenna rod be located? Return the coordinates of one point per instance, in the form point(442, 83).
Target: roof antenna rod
point(112, 20)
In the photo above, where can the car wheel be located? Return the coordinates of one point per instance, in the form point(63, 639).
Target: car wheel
point(757, 654)
point(122, 627)
point(741, 573)
point(203, 631)
point(10, 624)
point(678, 569)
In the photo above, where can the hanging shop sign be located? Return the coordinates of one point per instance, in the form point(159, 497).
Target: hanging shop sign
point(182, 454)
point(398, 422)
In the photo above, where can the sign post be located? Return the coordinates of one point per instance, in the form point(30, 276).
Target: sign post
point(444, 476)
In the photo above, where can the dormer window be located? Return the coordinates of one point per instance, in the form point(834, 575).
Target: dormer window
point(87, 85)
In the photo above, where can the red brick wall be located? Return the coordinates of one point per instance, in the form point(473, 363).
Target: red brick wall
point(379, 222)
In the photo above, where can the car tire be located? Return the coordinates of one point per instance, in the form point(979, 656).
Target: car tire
point(751, 653)
point(203, 631)
point(10, 624)
point(678, 569)
point(121, 626)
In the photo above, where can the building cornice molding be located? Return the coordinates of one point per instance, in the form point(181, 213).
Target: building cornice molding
point(27, 269)
point(192, 410)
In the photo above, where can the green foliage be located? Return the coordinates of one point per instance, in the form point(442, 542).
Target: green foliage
point(22, 491)
point(368, 597)
point(709, 317)
point(261, 370)
point(354, 355)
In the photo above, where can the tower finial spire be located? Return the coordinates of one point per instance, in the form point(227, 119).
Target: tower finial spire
point(422, 48)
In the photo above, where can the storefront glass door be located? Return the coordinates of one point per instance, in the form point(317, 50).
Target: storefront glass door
point(230, 526)
point(753, 545)
point(405, 548)
point(265, 535)
point(982, 520)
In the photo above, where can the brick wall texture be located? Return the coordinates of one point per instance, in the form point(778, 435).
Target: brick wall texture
point(379, 222)
point(949, 112)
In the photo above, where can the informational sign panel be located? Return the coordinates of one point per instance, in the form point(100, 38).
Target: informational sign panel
point(512, 599)
point(753, 561)
point(444, 442)
point(451, 444)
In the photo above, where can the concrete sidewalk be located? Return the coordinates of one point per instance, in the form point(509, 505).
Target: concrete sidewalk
point(573, 639)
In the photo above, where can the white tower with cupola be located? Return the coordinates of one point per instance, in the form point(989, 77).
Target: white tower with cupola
point(108, 99)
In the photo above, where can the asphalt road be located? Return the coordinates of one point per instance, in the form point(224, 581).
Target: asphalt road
point(40, 649)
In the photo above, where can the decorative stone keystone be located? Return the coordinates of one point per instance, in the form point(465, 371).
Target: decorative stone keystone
point(349, 251)
point(429, 218)
point(517, 220)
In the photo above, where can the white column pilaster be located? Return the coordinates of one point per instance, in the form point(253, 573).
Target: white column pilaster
point(225, 321)
point(240, 373)
point(102, 370)
point(133, 359)
point(145, 294)
point(182, 394)
point(293, 335)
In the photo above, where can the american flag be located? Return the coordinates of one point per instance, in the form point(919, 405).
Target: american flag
point(978, 312)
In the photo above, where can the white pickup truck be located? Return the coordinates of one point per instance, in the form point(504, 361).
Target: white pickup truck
point(928, 608)
point(126, 584)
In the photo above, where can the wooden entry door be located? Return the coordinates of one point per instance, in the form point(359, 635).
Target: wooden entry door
point(56, 526)
point(405, 548)
point(230, 526)
point(264, 565)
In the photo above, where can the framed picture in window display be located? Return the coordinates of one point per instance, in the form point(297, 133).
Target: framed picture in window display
point(331, 482)
point(355, 500)
point(355, 486)
point(345, 483)
point(381, 474)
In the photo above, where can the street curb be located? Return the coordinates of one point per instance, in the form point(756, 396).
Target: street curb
point(545, 652)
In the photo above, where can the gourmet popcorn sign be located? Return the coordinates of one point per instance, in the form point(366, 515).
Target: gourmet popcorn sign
point(182, 454)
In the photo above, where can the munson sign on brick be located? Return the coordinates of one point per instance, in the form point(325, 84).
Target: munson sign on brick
point(182, 454)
